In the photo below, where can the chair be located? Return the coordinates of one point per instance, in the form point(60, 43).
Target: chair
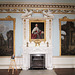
point(12, 65)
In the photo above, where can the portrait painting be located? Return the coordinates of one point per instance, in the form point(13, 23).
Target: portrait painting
point(37, 30)
point(67, 36)
point(6, 36)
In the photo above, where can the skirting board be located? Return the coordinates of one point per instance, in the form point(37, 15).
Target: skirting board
point(54, 66)
point(7, 66)
point(58, 62)
point(63, 66)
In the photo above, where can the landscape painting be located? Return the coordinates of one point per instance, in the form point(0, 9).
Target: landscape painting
point(67, 36)
point(6, 37)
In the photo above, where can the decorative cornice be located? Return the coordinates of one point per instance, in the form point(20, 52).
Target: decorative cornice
point(54, 8)
point(38, 6)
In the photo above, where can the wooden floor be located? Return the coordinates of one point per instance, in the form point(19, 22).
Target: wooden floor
point(5, 72)
point(69, 71)
point(66, 71)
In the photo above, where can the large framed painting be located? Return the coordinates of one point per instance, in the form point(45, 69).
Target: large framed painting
point(37, 30)
point(67, 36)
point(7, 36)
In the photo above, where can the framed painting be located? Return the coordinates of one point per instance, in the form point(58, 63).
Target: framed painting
point(67, 36)
point(37, 30)
point(7, 36)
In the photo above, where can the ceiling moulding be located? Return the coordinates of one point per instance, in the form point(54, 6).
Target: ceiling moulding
point(25, 2)
point(19, 7)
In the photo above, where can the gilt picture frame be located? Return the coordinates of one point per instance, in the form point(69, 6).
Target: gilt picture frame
point(67, 36)
point(37, 31)
point(7, 36)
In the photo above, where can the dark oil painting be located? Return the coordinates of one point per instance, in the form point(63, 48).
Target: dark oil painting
point(6, 38)
point(67, 37)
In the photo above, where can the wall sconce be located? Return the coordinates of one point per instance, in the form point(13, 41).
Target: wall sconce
point(27, 44)
point(47, 44)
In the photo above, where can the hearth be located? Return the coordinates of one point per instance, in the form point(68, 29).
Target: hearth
point(37, 61)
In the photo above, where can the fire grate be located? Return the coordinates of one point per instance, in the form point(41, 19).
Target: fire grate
point(37, 61)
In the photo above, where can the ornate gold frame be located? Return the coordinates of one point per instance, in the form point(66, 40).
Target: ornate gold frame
point(9, 18)
point(63, 19)
point(37, 41)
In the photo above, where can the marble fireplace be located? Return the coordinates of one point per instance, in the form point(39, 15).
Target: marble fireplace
point(32, 47)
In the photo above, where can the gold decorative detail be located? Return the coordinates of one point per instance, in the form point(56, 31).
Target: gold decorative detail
point(65, 18)
point(20, 7)
point(47, 44)
point(27, 44)
point(9, 18)
point(49, 28)
point(24, 20)
point(43, 5)
point(50, 22)
point(37, 41)
point(24, 29)
point(53, 10)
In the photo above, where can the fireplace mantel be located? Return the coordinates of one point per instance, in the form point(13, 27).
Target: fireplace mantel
point(37, 50)
point(29, 47)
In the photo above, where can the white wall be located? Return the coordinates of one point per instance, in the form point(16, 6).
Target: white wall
point(19, 31)
point(64, 62)
point(5, 62)
point(58, 61)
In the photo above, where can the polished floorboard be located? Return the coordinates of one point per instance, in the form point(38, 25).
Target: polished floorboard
point(65, 71)
point(59, 71)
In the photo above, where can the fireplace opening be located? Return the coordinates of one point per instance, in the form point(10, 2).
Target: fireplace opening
point(37, 61)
